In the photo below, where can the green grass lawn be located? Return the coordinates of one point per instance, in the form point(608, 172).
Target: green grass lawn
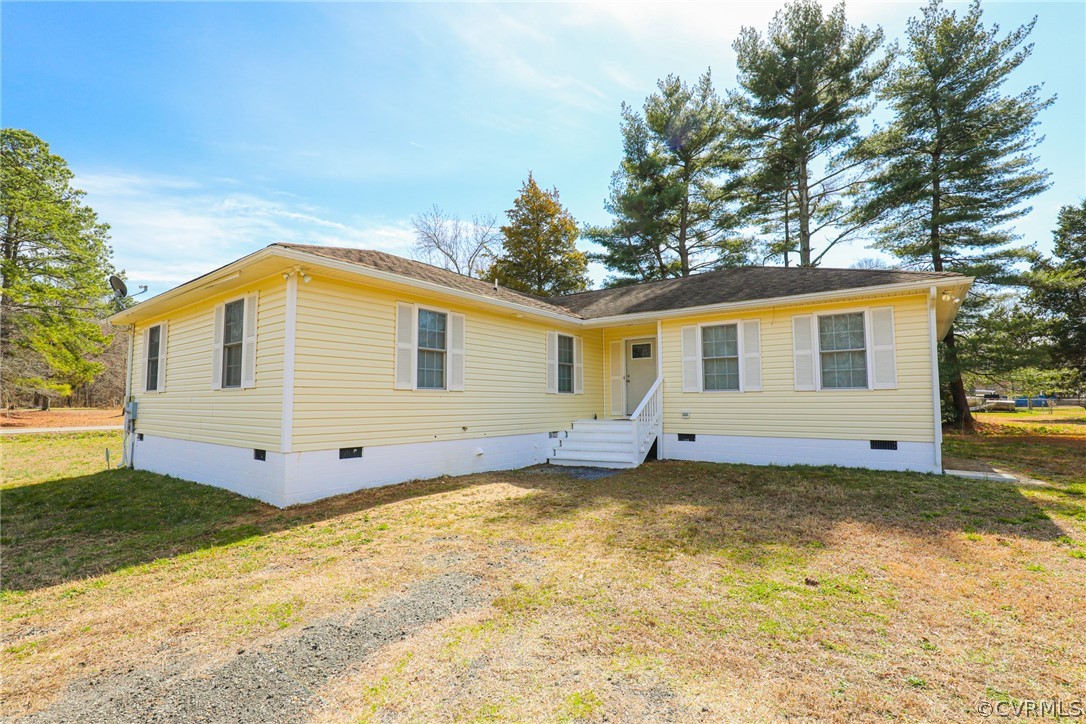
point(677, 590)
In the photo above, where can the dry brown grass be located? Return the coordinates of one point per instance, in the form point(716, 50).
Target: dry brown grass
point(1041, 444)
point(61, 418)
point(677, 590)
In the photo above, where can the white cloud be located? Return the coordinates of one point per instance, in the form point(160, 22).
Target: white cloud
point(167, 230)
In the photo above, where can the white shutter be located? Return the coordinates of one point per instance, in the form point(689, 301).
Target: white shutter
point(691, 344)
point(752, 355)
point(552, 363)
point(406, 341)
point(216, 348)
point(578, 366)
point(883, 353)
point(803, 351)
point(143, 375)
point(456, 352)
point(163, 333)
point(248, 343)
point(618, 382)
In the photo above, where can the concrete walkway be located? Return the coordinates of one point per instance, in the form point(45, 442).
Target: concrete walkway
point(42, 430)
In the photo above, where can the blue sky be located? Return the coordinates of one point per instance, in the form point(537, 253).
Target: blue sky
point(204, 131)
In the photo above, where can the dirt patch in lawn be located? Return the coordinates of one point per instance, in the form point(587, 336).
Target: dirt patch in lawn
point(279, 681)
point(61, 418)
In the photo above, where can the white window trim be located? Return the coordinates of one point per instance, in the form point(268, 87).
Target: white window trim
point(816, 343)
point(161, 381)
point(222, 346)
point(415, 360)
point(738, 324)
point(558, 365)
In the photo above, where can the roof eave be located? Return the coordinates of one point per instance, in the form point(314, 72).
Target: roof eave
point(919, 286)
point(151, 307)
point(370, 272)
point(155, 305)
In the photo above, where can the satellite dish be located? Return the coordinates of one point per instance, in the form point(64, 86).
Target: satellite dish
point(118, 286)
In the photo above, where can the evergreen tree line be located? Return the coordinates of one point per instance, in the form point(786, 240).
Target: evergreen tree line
point(779, 169)
point(53, 283)
point(789, 164)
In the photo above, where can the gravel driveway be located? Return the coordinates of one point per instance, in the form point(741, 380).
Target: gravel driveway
point(274, 684)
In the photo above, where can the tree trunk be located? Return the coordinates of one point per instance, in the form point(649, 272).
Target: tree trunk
point(804, 217)
point(684, 213)
point(957, 386)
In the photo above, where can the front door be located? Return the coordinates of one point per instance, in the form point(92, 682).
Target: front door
point(640, 370)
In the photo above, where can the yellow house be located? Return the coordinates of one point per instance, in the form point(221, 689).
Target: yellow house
point(300, 372)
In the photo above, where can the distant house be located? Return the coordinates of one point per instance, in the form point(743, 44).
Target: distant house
point(300, 372)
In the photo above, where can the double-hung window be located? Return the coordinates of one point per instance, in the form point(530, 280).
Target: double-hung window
point(233, 335)
point(154, 346)
point(720, 357)
point(842, 351)
point(432, 349)
point(429, 349)
point(233, 344)
point(565, 363)
point(154, 358)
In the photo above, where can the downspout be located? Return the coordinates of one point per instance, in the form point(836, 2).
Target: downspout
point(935, 398)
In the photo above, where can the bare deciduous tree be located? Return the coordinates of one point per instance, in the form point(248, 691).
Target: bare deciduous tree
point(444, 240)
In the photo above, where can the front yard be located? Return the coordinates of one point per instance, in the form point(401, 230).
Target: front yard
point(675, 591)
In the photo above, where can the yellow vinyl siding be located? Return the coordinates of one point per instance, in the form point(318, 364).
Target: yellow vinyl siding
point(903, 414)
point(188, 409)
point(344, 367)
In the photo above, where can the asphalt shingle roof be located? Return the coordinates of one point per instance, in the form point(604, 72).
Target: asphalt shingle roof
point(393, 264)
point(742, 284)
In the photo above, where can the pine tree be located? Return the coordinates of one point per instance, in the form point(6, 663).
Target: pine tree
point(671, 199)
point(805, 86)
point(539, 249)
point(52, 275)
point(1058, 289)
point(956, 167)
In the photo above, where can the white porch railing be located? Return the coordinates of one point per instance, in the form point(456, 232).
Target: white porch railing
point(647, 420)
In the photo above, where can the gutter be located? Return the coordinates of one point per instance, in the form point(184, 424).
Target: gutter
point(231, 271)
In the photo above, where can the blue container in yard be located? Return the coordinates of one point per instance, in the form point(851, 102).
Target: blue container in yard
point(1040, 401)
